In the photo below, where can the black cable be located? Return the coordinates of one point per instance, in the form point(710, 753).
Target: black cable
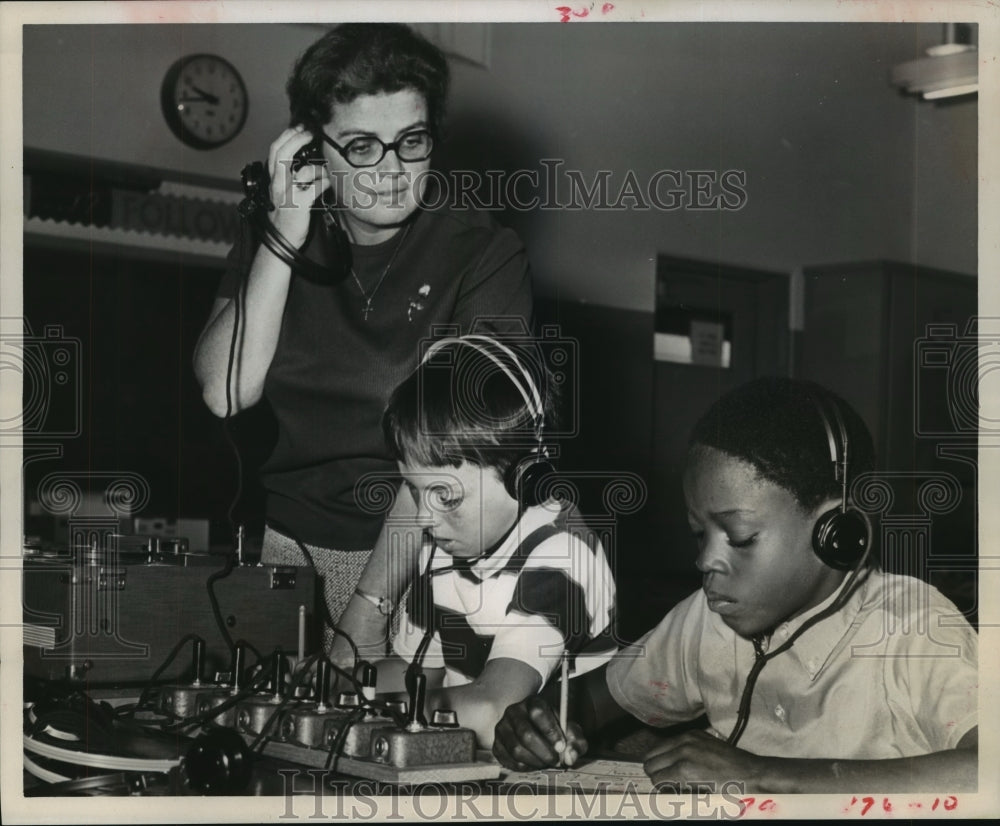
point(254, 209)
point(279, 707)
point(416, 664)
point(254, 649)
point(207, 716)
point(338, 745)
point(415, 667)
point(421, 652)
point(203, 717)
point(743, 715)
point(263, 736)
point(327, 614)
point(238, 311)
point(762, 659)
point(144, 694)
point(213, 600)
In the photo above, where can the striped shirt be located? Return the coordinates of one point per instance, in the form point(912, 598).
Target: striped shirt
point(547, 588)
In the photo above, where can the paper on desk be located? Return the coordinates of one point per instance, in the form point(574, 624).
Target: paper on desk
point(614, 776)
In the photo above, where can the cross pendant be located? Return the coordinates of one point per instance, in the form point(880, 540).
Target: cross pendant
point(367, 309)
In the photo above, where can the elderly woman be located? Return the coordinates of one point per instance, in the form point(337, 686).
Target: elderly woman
point(367, 102)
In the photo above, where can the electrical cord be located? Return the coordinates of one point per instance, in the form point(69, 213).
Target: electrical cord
point(239, 303)
point(150, 683)
point(207, 716)
point(254, 209)
point(259, 741)
point(42, 773)
point(418, 657)
point(327, 614)
point(416, 664)
point(98, 761)
point(214, 577)
point(337, 746)
point(762, 659)
point(260, 657)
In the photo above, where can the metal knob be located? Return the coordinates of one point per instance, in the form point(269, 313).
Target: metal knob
point(348, 699)
point(445, 718)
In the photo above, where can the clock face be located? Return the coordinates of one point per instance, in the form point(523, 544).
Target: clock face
point(204, 100)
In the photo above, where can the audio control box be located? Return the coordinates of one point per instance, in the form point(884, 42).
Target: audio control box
point(107, 620)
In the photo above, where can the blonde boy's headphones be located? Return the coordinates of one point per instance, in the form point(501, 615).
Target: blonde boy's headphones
point(842, 535)
point(523, 478)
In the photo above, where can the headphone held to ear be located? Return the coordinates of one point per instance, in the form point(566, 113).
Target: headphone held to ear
point(254, 209)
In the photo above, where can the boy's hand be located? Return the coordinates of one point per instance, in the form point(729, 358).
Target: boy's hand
point(698, 756)
point(528, 737)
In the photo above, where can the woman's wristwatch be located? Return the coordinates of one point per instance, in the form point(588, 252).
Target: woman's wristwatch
point(384, 604)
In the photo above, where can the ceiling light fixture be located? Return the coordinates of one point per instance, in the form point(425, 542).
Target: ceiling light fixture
point(950, 69)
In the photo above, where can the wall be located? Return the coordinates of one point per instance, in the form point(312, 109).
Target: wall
point(945, 225)
point(840, 166)
point(95, 91)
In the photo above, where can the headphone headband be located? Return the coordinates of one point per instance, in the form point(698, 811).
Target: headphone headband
point(524, 478)
point(527, 388)
point(837, 457)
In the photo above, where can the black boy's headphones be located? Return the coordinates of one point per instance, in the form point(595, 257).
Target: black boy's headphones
point(842, 535)
point(523, 478)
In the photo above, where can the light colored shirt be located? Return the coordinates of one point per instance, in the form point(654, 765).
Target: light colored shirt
point(521, 602)
point(891, 674)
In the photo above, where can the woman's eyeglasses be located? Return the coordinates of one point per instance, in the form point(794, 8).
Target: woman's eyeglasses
point(415, 145)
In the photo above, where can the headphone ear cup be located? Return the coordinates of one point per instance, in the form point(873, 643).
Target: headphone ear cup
point(523, 479)
point(840, 538)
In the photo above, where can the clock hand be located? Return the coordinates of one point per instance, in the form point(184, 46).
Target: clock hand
point(205, 96)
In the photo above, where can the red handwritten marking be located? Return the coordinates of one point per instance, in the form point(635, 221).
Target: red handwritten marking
point(867, 803)
point(566, 12)
point(746, 803)
point(607, 7)
point(950, 803)
point(659, 683)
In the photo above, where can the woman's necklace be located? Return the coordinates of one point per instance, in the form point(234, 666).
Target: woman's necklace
point(368, 296)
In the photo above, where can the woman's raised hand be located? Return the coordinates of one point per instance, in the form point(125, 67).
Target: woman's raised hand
point(293, 193)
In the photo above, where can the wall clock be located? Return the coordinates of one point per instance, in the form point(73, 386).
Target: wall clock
point(204, 100)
